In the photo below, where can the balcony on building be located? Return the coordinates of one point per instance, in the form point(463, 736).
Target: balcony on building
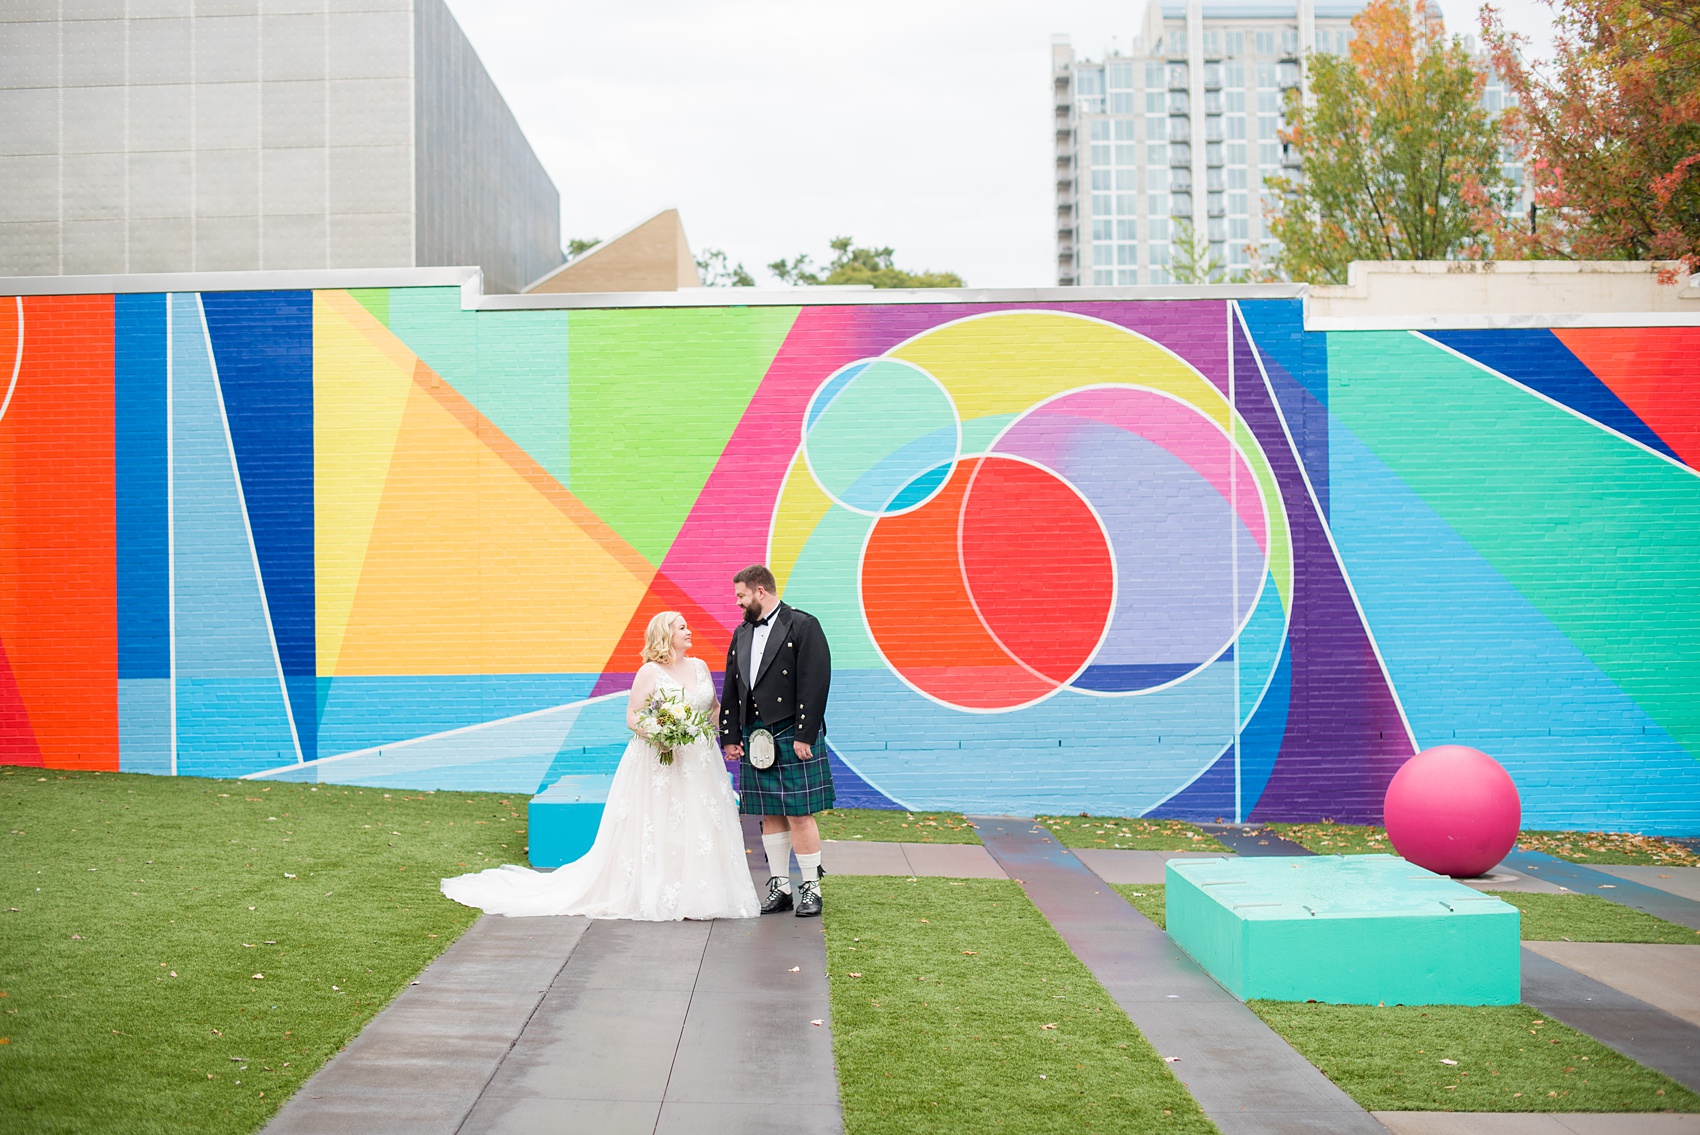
point(1212, 76)
point(1177, 77)
point(1287, 73)
point(1180, 180)
point(1180, 129)
point(1180, 154)
point(1177, 102)
point(1180, 205)
point(1216, 206)
point(1213, 153)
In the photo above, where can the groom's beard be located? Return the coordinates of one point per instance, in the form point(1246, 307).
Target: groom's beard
point(752, 614)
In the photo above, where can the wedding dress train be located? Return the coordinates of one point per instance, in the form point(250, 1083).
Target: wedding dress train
point(670, 845)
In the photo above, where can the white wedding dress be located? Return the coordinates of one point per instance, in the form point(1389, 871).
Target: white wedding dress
point(670, 845)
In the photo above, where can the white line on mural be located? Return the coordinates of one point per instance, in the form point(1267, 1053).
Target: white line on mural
point(248, 529)
point(460, 731)
point(1665, 457)
point(17, 360)
point(1327, 531)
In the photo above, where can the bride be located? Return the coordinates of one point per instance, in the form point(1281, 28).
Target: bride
point(670, 845)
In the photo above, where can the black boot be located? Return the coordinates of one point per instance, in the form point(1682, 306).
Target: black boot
point(778, 898)
point(808, 899)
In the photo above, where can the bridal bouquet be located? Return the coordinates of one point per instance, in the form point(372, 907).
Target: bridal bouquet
point(668, 722)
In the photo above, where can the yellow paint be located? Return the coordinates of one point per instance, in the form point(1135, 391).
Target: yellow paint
point(472, 570)
point(1004, 363)
point(361, 381)
point(800, 508)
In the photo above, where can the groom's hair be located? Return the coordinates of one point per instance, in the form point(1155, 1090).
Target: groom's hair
point(757, 575)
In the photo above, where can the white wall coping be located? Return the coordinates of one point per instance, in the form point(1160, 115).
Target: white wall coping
point(1493, 291)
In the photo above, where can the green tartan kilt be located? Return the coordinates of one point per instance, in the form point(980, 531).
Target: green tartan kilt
point(791, 787)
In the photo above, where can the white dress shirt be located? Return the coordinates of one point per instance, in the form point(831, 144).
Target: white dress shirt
point(758, 644)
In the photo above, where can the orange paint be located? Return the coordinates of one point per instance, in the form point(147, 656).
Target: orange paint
point(1655, 370)
point(58, 534)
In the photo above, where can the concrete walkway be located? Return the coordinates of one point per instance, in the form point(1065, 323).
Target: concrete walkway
point(913, 860)
point(1684, 882)
point(1665, 976)
point(1611, 884)
point(1246, 1078)
point(567, 1024)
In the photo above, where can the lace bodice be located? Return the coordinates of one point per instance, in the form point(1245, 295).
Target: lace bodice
point(702, 697)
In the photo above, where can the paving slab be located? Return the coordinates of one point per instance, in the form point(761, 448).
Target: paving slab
point(1125, 866)
point(1641, 1031)
point(1684, 882)
point(863, 857)
point(1503, 878)
point(1246, 1078)
point(421, 1064)
point(1665, 976)
point(1253, 839)
point(952, 861)
point(1668, 905)
point(1548, 1123)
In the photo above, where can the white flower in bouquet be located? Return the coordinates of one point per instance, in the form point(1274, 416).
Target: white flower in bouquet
point(668, 722)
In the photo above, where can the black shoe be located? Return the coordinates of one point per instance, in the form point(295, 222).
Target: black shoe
point(808, 899)
point(778, 898)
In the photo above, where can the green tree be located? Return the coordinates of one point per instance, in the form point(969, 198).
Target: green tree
point(578, 246)
point(717, 271)
point(853, 265)
point(1398, 157)
point(1193, 262)
point(1610, 130)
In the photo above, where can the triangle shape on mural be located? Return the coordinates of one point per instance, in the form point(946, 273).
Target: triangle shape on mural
point(18, 745)
point(1344, 735)
point(479, 562)
point(1209, 799)
point(711, 637)
point(1539, 359)
point(1653, 371)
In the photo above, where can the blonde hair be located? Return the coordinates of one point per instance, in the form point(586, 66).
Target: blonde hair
point(658, 638)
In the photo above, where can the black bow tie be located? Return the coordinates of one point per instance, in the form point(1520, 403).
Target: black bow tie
point(762, 622)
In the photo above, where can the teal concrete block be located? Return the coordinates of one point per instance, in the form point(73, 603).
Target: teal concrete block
point(1344, 929)
point(563, 818)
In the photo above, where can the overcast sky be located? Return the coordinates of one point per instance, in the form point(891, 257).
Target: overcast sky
point(775, 125)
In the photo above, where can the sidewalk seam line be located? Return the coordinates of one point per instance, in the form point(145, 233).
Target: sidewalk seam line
point(684, 1024)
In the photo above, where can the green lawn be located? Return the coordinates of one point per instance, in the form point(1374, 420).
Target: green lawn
point(1460, 1058)
point(180, 954)
point(1113, 832)
point(956, 1008)
point(896, 827)
point(1546, 918)
point(1589, 918)
point(1328, 838)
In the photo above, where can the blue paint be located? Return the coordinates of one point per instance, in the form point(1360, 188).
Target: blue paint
point(263, 345)
point(1539, 360)
point(142, 503)
point(1501, 678)
point(364, 712)
point(831, 389)
point(1297, 366)
point(232, 713)
point(1122, 677)
point(1208, 799)
point(919, 489)
point(1260, 740)
point(144, 725)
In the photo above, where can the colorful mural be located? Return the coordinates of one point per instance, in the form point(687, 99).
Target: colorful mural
point(1174, 558)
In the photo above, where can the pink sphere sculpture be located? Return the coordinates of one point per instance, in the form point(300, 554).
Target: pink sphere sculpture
point(1453, 810)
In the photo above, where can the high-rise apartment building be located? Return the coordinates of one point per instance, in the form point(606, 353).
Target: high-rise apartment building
point(1182, 131)
point(178, 136)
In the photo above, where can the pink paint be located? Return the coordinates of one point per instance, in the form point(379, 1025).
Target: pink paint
point(1453, 810)
point(727, 527)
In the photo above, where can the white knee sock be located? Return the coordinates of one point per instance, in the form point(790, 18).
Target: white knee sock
point(778, 846)
point(809, 866)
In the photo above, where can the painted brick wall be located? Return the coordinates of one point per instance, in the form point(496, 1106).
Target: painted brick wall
point(1174, 558)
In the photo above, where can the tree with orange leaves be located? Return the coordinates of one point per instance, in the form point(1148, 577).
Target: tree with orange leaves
point(1610, 130)
point(1397, 154)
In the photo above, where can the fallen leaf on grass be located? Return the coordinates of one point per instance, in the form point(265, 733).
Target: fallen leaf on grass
point(1452, 1062)
point(1050, 1026)
point(257, 976)
point(971, 953)
point(173, 973)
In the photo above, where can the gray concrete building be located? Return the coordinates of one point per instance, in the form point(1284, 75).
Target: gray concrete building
point(208, 135)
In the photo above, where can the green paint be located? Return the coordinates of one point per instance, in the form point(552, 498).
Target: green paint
point(1600, 535)
point(1354, 930)
point(656, 396)
point(511, 365)
point(979, 433)
point(374, 300)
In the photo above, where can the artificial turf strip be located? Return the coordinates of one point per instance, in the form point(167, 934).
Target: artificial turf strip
point(1466, 1058)
point(1610, 848)
point(179, 954)
point(896, 827)
point(1114, 832)
point(1546, 918)
point(956, 1007)
point(1589, 918)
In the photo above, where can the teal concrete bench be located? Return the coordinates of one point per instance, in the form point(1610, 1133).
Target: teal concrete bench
point(563, 818)
point(1344, 929)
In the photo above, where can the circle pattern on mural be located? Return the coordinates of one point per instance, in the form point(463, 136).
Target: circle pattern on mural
point(993, 593)
point(1185, 519)
point(880, 436)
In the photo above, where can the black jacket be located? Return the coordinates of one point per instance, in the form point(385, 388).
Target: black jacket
point(796, 672)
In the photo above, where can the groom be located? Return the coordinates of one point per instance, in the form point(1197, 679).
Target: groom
point(777, 673)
